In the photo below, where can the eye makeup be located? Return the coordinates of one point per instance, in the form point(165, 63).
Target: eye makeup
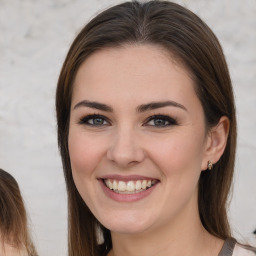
point(154, 121)
point(96, 120)
point(160, 121)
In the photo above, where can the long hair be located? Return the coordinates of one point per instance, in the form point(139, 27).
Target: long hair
point(190, 40)
point(13, 218)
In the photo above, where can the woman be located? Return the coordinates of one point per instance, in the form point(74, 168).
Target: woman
point(147, 134)
point(14, 234)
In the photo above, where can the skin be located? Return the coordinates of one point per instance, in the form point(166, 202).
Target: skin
point(131, 142)
point(9, 250)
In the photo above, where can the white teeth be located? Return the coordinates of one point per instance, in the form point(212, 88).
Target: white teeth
point(121, 186)
point(130, 186)
point(109, 184)
point(144, 184)
point(138, 185)
point(114, 184)
point(153, 182)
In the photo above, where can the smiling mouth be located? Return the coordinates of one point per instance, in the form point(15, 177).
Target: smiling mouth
point(129, 187)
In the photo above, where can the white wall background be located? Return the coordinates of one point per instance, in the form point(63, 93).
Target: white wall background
point(34, 38)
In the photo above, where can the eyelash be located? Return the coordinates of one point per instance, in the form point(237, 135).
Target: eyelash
point(85, 120)
point(169, 120)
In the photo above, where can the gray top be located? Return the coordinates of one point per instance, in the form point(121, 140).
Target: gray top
point(228, 247)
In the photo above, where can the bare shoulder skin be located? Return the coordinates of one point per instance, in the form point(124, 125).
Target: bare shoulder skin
point(9, 250)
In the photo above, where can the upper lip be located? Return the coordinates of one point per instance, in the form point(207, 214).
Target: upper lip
point(126, 177)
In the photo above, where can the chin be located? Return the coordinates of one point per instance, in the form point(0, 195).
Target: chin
point(127, 229)
point(129, 225)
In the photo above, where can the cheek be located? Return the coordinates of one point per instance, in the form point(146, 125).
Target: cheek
point(84, 153)
point(180, 150)
point(180, 154)
point(179, 160)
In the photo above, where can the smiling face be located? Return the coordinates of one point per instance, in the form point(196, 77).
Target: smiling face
point(137, 138)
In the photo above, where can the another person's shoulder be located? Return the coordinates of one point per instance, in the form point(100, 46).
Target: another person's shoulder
point(241, 251)
point(7, 249)
point(12, 252)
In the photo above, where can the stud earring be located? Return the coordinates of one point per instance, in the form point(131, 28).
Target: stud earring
point(209, 165)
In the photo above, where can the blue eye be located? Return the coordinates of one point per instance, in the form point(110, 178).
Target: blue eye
point(94, 120)
point(160, 121)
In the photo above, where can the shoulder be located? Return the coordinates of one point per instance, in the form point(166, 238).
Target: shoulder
point(240, 251)
point(8, 250)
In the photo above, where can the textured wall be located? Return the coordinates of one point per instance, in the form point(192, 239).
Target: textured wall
point(34, 38)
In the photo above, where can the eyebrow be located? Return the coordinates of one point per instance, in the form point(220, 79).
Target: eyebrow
point(161, 104)
point(93, 104)
point(140, 109)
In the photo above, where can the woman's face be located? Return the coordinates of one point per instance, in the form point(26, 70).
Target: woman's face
point(137, 138)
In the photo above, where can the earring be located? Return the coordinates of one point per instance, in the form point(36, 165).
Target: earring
point(209, 165)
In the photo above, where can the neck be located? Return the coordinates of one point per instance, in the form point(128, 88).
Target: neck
point(184, 236)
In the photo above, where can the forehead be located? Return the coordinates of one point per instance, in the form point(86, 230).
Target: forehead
point(132, 73)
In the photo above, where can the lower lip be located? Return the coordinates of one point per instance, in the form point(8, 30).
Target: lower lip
point(126, 197)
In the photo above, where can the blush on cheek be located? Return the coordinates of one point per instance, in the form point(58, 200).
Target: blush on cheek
point(81, 160)
point(178, 155)
point(84, 154)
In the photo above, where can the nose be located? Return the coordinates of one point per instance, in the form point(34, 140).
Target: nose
point(125, 150)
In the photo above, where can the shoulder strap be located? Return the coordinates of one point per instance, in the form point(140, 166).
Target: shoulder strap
point(228, 247)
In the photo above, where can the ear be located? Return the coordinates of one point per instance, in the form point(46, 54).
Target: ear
point(216, 142)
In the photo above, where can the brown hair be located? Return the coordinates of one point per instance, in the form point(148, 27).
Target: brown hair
point(13, 217)
point(185, 35)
